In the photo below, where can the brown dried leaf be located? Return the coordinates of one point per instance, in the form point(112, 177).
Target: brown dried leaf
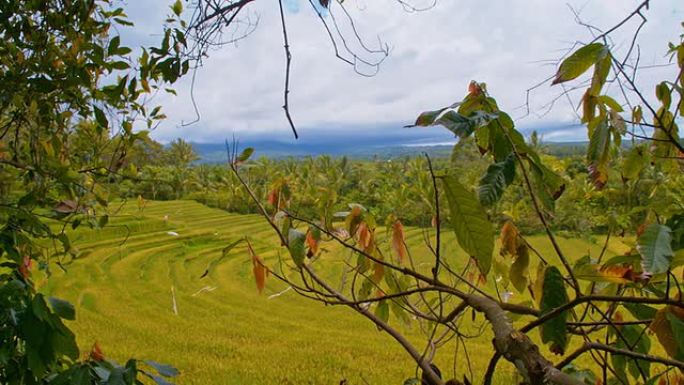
point(312, 243)
point(509, 238)
point(398, 240)
point(364, 235)
point(640, 230)
point(25, 267)
point(66, 207)
point(474, 89)
point(96, 353)
point(258, 268)
point(662, 329)
point(598, 176)
point(621, 273)
point(273, 197)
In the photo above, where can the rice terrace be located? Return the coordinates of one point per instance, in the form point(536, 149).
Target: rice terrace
point(226, 331)
point(343, 192)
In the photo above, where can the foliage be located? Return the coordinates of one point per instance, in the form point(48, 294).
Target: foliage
point(65, 132)
point(630, 191)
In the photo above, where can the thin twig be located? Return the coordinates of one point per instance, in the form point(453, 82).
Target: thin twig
point(288, 62)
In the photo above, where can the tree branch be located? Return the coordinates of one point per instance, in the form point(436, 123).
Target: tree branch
point(415, 354)
point(288, 62)
point(613, 350)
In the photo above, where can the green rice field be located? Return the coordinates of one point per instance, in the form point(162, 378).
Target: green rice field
point(222, 331)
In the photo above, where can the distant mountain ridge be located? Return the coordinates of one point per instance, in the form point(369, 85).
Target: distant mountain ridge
point(358, 142)
point(216, 153)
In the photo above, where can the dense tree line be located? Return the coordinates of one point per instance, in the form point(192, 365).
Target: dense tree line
point(392, 188)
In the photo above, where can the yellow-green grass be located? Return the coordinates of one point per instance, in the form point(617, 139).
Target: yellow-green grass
point(122, 289)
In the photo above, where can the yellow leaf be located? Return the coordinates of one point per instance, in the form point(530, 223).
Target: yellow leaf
point(519, 270)
point(538, 287)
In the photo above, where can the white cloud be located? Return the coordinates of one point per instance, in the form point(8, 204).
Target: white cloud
point(434, 56)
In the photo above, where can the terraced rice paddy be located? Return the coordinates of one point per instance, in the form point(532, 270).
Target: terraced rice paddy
point(224, 332)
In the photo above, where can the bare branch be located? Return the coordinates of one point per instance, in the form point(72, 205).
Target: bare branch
point(613, 350)
point(288, 61)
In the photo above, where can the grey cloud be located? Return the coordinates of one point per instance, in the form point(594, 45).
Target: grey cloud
point(434, 56)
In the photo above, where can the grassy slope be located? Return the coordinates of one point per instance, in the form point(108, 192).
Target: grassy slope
point(232, 335)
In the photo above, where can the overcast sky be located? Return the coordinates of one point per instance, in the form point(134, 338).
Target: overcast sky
point(433, 56)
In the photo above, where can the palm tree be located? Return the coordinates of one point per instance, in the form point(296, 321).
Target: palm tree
point(181, 153)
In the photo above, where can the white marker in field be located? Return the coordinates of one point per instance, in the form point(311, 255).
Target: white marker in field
point(173, 300)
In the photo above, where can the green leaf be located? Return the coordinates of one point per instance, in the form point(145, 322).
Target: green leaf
point(79, 376)
point(676, 224)
point(586, 376)
point(102, 221)
point(461, 126)
point(473, 229)
point(636, 159)
point(640, 311)
point(400, 313)
point(101, 372)
point(224, 253)
point(580, 61)
point(655, 249)
point(113, 45)
point(481, 139)
point(501, 271)
point(598, 151)
point(382, 311)
point(395, 284)
point(116, 377)
point(366, 289)
point(548, 186)
point(601, 71)
point(163, 369)
point(64, 240)
point(123, 22)
point(246, 153)
point(498, 142)
point(428, 118)
point(610, 102)
point(119, 65)
point(296, 245)
point(663, 94)
point(131, 371)
point(632, 338)
point(495, 180)
point(101, 118)
point(177, 7)
point(553, 296)
point(62, 308)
